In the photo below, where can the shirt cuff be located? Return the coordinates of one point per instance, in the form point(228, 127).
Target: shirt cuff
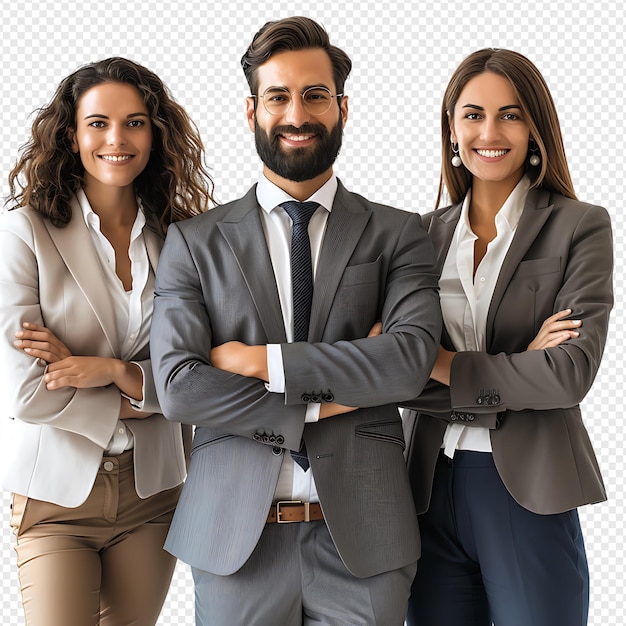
point(275, 370)
point(312, 412)
point(138, 404)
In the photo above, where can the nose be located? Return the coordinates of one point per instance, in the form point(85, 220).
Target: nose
point(490, 129)
point(296, 113)
point(116, 135)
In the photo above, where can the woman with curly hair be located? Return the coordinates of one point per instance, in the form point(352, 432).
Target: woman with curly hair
point(94, 468)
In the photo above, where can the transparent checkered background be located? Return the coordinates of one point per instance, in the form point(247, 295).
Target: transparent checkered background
point(403, 55)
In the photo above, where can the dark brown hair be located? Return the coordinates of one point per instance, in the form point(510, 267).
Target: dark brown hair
point(292, 33)
point(539, 112)
point(174, 184)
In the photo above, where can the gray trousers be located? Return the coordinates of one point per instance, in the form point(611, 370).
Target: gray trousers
point(294, 577)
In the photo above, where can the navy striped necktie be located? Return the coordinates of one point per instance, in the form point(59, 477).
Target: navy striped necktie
point(301, 283)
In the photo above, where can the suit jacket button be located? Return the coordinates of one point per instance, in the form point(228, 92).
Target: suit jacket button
point(470, 417)
point(328, 397)
point(316, 398)
point(454, 417)
point(265, 439)
point(277, 451)
point(495, 399)
point(256, 437)
point(306, 398)
point(280, 440)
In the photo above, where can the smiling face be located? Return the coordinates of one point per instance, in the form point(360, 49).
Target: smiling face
point(113, 135)
point(297, 145)
point(489, 126)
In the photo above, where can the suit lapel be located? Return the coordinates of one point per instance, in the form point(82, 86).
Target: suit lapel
point(536, 211)
point(243, 232)
point(80, 257)
point(346, 223)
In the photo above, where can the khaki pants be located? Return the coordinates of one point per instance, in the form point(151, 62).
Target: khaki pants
point(101, 563)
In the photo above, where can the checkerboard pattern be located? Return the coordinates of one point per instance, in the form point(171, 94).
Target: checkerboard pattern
point(403, 55)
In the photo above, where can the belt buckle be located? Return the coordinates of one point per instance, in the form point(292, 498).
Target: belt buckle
point(288, 503)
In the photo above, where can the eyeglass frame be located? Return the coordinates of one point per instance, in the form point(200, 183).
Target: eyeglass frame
point(301, 94)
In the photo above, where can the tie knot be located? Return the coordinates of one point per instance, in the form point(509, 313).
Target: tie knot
point(300, 212)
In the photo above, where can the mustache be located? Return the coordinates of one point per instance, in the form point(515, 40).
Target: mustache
point(305, 129)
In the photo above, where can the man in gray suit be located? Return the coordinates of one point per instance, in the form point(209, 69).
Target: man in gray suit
point(272, 385)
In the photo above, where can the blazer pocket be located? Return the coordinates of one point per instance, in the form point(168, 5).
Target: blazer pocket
point(538, 267)
point(204, 442)
point(384, 430)
point(362, 274)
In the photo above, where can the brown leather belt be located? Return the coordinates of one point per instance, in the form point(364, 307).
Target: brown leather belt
point(288, 511)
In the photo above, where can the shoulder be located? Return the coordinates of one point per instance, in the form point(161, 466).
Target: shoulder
point(22, 222)
point(230, 211)
point(358, 203)
point(574, 212)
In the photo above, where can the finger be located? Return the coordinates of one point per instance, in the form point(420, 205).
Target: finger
point(561, 337)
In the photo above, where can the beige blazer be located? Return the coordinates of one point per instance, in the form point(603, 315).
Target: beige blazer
point(561, 257)
point(52, 441)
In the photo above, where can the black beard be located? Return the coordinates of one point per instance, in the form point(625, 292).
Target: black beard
point(299, 164)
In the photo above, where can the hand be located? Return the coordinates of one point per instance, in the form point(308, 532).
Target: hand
point(40, 343)
point(555, 330)
point(329, 409)
point(81, 372)
point(442, 366)
point(376, 329)
point(239, 358)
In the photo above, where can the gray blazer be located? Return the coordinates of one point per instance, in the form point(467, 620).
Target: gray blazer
point(561, 257)
point(215, 283)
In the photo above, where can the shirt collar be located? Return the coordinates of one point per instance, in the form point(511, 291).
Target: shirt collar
point(509, 213)
point(93, 220)
point(270, 195)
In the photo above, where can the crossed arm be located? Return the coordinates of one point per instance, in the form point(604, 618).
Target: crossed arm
point(81, 372)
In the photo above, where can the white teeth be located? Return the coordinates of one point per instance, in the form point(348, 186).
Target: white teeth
point(108, 157)
point(298, 137)
point(492, 154)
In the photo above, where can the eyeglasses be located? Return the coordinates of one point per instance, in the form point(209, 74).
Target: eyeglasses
point(315, 100)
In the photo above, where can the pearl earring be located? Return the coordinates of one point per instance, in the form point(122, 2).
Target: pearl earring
point(456, 159)
point(535, 159)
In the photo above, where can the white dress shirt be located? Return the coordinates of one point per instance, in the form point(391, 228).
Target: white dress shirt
point(133, 309)
point(465, 297)
point(293, 482)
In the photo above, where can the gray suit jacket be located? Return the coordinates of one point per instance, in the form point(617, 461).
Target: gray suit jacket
point(561, 257)
point(215, 284)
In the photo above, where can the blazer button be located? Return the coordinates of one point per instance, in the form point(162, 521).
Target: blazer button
point(316, 398)
point(265, 439)
point(256, 437)
point(280, 440)
point(470, 417)
point(306, 398)
point(495, 399)
point(272, 439)
point(277, 451)
point(328, 397)
point(454, 417)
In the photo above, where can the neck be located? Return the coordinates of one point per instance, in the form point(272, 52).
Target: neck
point(488, 197)
point(115, 206)
point(302, 190)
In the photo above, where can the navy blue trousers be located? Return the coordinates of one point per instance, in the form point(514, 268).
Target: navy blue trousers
point(485, 559)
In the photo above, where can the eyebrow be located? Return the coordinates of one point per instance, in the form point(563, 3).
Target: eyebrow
point(106, 117)
point(283, 88)
point(479, 108)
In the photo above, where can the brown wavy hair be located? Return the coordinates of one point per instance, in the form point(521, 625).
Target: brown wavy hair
point(539, 112)
point(175, 183)
point(292, 33)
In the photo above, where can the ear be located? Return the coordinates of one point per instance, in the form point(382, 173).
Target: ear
point(344, 110)
point(451, 124)
point(71, 135)
point(251, 112)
